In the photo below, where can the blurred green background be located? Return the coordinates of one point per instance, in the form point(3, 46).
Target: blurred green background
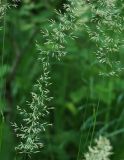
point(86, 105)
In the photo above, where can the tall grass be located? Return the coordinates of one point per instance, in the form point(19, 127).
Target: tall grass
point(55, 45)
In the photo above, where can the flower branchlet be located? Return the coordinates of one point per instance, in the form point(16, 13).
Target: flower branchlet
point(107, 28)
point(64, 28)
point(102, 150)
point(35, 119)
point(55, 41)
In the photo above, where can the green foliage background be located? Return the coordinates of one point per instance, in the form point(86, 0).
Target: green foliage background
point(86, 105)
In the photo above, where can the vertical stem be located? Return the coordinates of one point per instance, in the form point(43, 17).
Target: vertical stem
point(95, 111)
point(26, 157)
point(2, 95)
point(80, 143)
point(1, 131)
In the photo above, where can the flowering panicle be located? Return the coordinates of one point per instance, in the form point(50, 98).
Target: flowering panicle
point(55, 38)
point(64, 28)
point(107, 27)
point(4, 6)
point(102, 150)
point(34, 120)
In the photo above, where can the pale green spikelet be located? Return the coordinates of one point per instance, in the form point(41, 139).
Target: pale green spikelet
point(106, 31)
point(101, 151)
point(35, 120)
point(55, 41)
point(64, 27)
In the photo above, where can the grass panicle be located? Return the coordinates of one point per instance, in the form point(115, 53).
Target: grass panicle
point(106, 33)
point(35, 120)
point(101, 151)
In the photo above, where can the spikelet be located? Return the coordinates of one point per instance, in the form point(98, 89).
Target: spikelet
point(34, 122)
point(102, 150)
point(106, 31)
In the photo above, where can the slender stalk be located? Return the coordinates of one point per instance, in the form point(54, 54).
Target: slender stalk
point(94, 125)
point(2, 95)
